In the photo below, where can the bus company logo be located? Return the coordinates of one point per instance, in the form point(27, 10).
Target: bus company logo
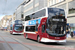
point(43, 22)
point(30, 22)
point(33, 22)
point(57, 38)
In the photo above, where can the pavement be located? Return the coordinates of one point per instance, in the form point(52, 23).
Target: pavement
point(71, 39)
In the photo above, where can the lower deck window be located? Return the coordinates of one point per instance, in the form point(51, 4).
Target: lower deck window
point(30, 28)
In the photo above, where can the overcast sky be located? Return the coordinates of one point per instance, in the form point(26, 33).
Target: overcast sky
point(8, 7)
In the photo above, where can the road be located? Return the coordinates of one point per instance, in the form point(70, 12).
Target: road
point(18, 42)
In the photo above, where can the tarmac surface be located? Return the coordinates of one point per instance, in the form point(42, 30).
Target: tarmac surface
point(18, 42)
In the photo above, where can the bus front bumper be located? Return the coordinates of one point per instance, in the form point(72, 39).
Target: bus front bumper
point(17, 33)
point(49, 40)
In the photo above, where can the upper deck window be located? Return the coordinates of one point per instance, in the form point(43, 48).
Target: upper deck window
point(38, 14)
point(56, 12)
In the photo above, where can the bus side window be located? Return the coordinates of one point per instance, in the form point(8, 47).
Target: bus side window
point(27, 18)
point(30, 28)
point(43, 28)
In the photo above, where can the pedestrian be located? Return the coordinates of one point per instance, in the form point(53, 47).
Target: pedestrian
point(72, 34)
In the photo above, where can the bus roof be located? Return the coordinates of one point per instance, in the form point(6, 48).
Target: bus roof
point(42, 9)
point(16, 22)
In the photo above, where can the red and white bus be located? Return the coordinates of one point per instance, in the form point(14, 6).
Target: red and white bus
point(46, 25)
point(16, 27)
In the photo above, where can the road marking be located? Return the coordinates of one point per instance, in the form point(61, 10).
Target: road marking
point(9, 42)
point(13, 42)
point(50, 46)
point(13, 36)
point(2, 42)
point(42, 45)
point(6, 43)
point(39, 45)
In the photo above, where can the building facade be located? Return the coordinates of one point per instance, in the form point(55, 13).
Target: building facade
point(27, 7)
point(19, 12)
point(34, 5)
point(5, 22)
point(30, 6)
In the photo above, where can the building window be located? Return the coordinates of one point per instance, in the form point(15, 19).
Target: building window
point(62, 6)
point(36, 8)
point(59, 0)
point(71, 7)
point(36, 1)
point(28, 6)
point(52, 2)
point(28, 12)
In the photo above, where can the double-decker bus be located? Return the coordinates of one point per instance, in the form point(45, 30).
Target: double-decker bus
point(16, 27)
point(46, 25)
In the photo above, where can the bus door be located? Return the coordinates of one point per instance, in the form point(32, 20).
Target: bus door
point(43, 30)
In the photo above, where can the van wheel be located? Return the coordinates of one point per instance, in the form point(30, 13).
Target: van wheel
point(38, 39)
point(26, 36)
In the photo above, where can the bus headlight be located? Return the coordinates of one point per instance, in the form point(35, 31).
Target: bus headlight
point(64, 32)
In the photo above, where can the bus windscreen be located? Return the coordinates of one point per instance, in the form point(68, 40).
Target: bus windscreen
point(56, 22)
point(18, 28)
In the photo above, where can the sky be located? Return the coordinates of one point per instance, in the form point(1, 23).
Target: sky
point(8, 7)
